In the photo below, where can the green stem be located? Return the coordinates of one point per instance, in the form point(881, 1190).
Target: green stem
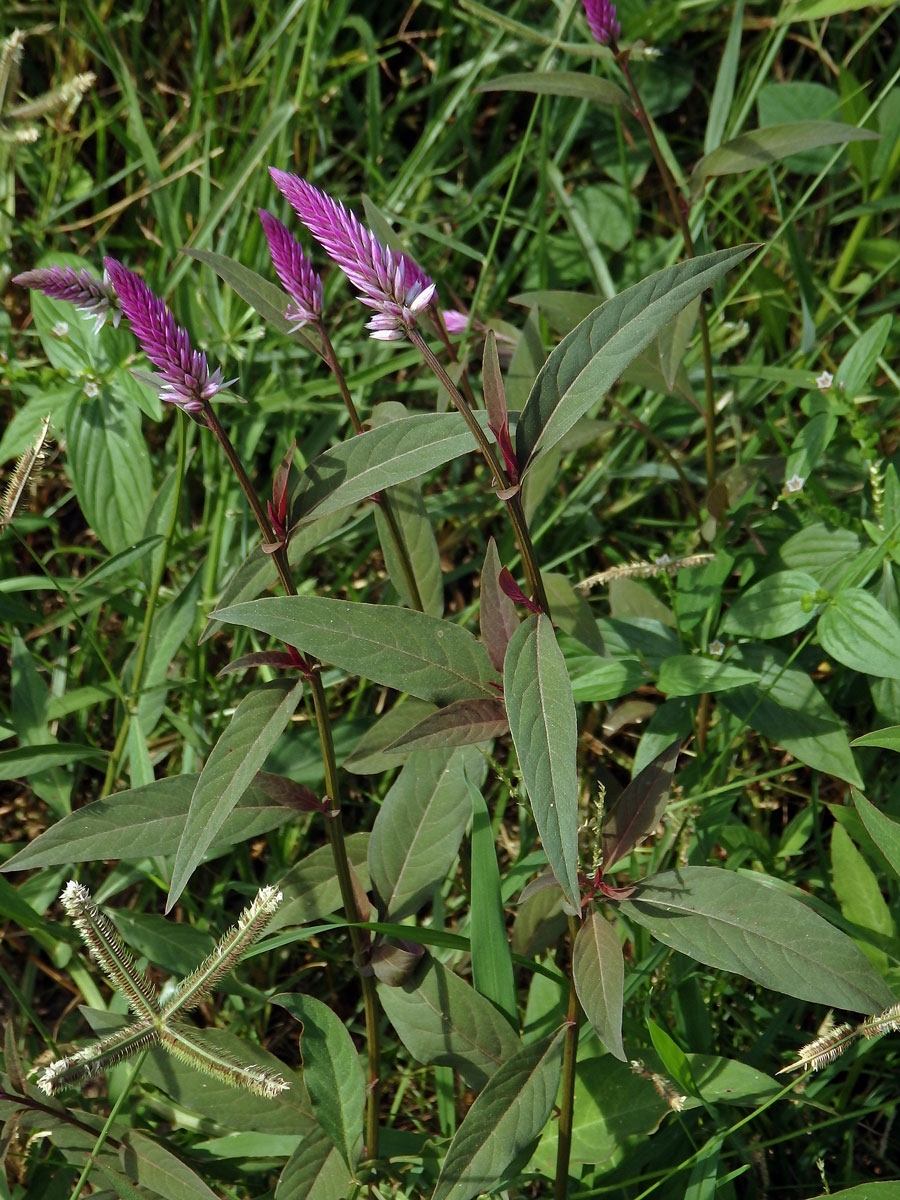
point(567, 1098)
point(333, 821)
point(107, 1126)
point(514, 501)
point(383, 500)
point(140, 662)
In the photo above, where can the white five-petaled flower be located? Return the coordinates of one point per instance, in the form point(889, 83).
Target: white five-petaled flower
point(824, 380)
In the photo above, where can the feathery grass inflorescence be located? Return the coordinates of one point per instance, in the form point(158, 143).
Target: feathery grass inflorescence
point(29, 461)
point(158, 1022)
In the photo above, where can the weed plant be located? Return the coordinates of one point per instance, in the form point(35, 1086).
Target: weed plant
point(494, 686)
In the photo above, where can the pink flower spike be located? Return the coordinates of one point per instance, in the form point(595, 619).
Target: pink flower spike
point(294, 270)
point(96, 297)
point(390, 282)
point(183, 369)
point(601, 19)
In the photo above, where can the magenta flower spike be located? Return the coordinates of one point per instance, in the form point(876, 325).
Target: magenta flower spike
point(601, 19)
point(294, 270)
point(388, 281)
point(95, 297)
point(183, 369)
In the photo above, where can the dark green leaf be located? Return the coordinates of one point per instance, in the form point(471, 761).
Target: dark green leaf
point(541, 713)
point(778, 604)
point(315, 1171)
point(153, 1166)
point(599, 972)
point(462, 723)
point(884, 832)
point(311, 889)
point(861, 634)
point(639, 807)
point(492, 971)
point(560, 83)
point(693, 674)
point(26, 761)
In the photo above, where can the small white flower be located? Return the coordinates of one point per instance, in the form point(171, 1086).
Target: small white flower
point(717, 648)
point(794, 484)
point(91, 389)
point(662, 560)
point(61, 329)
point(824, 380)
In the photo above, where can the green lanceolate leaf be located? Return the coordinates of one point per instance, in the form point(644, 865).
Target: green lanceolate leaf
point(421, 546)
point(541, 713)
point(315, 1171)
point(560, 83)
point(414, 653)
point(861, 634)
point(381, 458)
point(311, 889)
point(692, 675)
point(740, 924)
point(462, 723)
point(416, 835)
point(758, 147)
point(510, 1112)
point(639, 807)
point(885, 833)
point(492, 971)
point(154, 1167)
point(146, 821)
point(599, 971)
point(25, 761)
point(441, 1019)
point(777, 605)
point(332, 1072)
point(265, 297)
point(256, 726)
point(591, 358)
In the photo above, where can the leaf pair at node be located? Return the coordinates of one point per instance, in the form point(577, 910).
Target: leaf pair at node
point(158, 1016)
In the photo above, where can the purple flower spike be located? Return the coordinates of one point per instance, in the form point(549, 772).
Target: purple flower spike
point(295, 271)
point(390, 282)
point(184, 370)
point(601, 19)
point(96, 297)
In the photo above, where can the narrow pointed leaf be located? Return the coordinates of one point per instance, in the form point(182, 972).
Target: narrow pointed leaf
point(421, 546)
point(153, 1166)
point(25, 761)
point(332, 1072)
point(146, 821)
point(885, 833)
point(416, 835)
point(414, 653)
point(315, 1171)
point(589, 360)
point(639, 807)
point(256, 726)
point(560, 83)
point(492, 971)
point(599, 971)
point(498, 613)
point(441, 1019)
point(510, 1112)
point(462, 723)
point(382, 457)
point(739, 924)
point(758, 147)
point(542, 722)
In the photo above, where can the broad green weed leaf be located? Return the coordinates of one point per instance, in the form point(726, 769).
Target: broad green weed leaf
point(608, 679)
point(442, 1019)
point(740, 924)
point(591, 358)
point(410, 651)
point(821, 551)
point(757, 147)
point(541, 712)
point(693, 674)
point(787, 707)
point(416, 834)
point(861, 634)
point(612, 1105)
point(462, 723)
point(311, 889)
point(153, 1166)
point(639, 807)
point(258, 722)
point(492, 971)
point(332, 1072)
point(381, 458)
point(599, 972)
point(315, 1171)
point(560, 83)
point(885, 833)
point(110, 468)
point(510, 1112)
point(860, 898)
point(779, 604)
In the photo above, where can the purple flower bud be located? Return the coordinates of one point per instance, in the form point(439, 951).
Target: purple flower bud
point(601, 19)
point(97, 298)
point(390, 282)
point(295, 271)
point(183, 369)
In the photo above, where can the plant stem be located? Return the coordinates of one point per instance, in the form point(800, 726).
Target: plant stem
point(333, 822)
point(107, 1126)
point(140, 662)
point(514, 501)
point(567, 1101)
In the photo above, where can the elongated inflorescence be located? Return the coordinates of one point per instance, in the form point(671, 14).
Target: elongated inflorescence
point(294, 270)
point(601, 19)
point(389, 281)
point(184, 370)
point(95, 297)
